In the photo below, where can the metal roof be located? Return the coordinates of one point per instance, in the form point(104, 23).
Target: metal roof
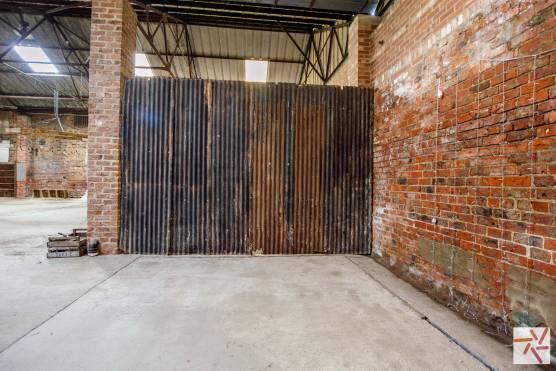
point(222, 33)
point(18, 80)
point(220, 53)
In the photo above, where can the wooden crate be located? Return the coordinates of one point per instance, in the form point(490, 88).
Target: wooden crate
point(81, 232)
point(67, 246)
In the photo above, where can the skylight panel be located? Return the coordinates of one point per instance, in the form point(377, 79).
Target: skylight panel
point(256, 71)
point(142, 66)
point(36, 59)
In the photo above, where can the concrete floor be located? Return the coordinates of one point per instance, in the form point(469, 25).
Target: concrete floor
point(25, 223)
point(213, 313)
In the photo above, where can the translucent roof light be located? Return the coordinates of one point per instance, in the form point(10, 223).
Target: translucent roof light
point(142, 61)
point(36, 59)
point(256, 71)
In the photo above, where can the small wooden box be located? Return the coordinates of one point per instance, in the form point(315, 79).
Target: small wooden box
point(70, 246)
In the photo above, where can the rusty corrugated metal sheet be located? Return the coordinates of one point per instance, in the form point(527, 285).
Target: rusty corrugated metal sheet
point(222, 167)
point(146, 165)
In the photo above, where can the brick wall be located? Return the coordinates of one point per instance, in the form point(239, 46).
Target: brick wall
point(11, 129)
point(113, 38)
point(57, 159)
point(49, 159)
point(464, 200)
point(6, 119)
point(21, 157)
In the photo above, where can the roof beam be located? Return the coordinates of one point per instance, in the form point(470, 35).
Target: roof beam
point(249, 24)
point(38, 97)
point(73, 64)
point(217, 15)
point(244, 7)
point(195, 55)
point(61, 74)
point(76, 8)
point(53, 47)
point(271, 60)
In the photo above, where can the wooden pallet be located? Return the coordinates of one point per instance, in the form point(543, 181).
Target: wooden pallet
point(7, 180)
point(41, 193)
point(70, 246)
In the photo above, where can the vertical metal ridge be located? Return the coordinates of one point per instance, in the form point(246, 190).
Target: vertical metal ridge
point(292, 114)
point(310, 164)
point(265, 155)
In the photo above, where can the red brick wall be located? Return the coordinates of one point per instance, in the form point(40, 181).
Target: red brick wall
point(465, 154)
point(113, 37)
point(22, 156)
point(57, 159)
point(52, 160)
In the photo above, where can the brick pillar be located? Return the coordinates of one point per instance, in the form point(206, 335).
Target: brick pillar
point(113, 38)
point(356, 70)
point(361, 50)
point(21, 158)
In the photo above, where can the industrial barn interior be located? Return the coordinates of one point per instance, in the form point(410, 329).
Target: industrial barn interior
point(277, 184)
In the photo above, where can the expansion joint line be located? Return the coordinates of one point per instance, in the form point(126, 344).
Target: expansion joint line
point(68, 305)
point(424, 317)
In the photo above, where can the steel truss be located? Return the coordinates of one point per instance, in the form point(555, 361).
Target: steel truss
point(174, 33)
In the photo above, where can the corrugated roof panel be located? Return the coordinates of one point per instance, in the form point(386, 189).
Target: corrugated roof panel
point(284, 72)
point(236, 44)
point(74, 29)
point(41, 86)
point(221, 69)
point(44, 36)
point(231, 42)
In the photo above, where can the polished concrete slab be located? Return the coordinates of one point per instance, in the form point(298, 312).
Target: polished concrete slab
point(213, 313)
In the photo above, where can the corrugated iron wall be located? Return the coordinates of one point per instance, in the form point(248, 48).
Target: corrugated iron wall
point(222, 167)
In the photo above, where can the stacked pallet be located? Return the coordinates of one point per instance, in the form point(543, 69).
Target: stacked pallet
point(69, 246)
point(7, 180)
point(49, 193)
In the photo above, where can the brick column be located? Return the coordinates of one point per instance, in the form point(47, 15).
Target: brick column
point(356, 70)
point(113, 38)
point(360, 42)
point(22, 157)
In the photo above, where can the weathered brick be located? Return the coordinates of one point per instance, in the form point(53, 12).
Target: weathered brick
point(545, 181)
point(443, 254)
point(463, 263)
point(426, 249)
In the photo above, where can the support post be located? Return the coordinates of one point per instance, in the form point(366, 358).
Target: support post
point(113, 39)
